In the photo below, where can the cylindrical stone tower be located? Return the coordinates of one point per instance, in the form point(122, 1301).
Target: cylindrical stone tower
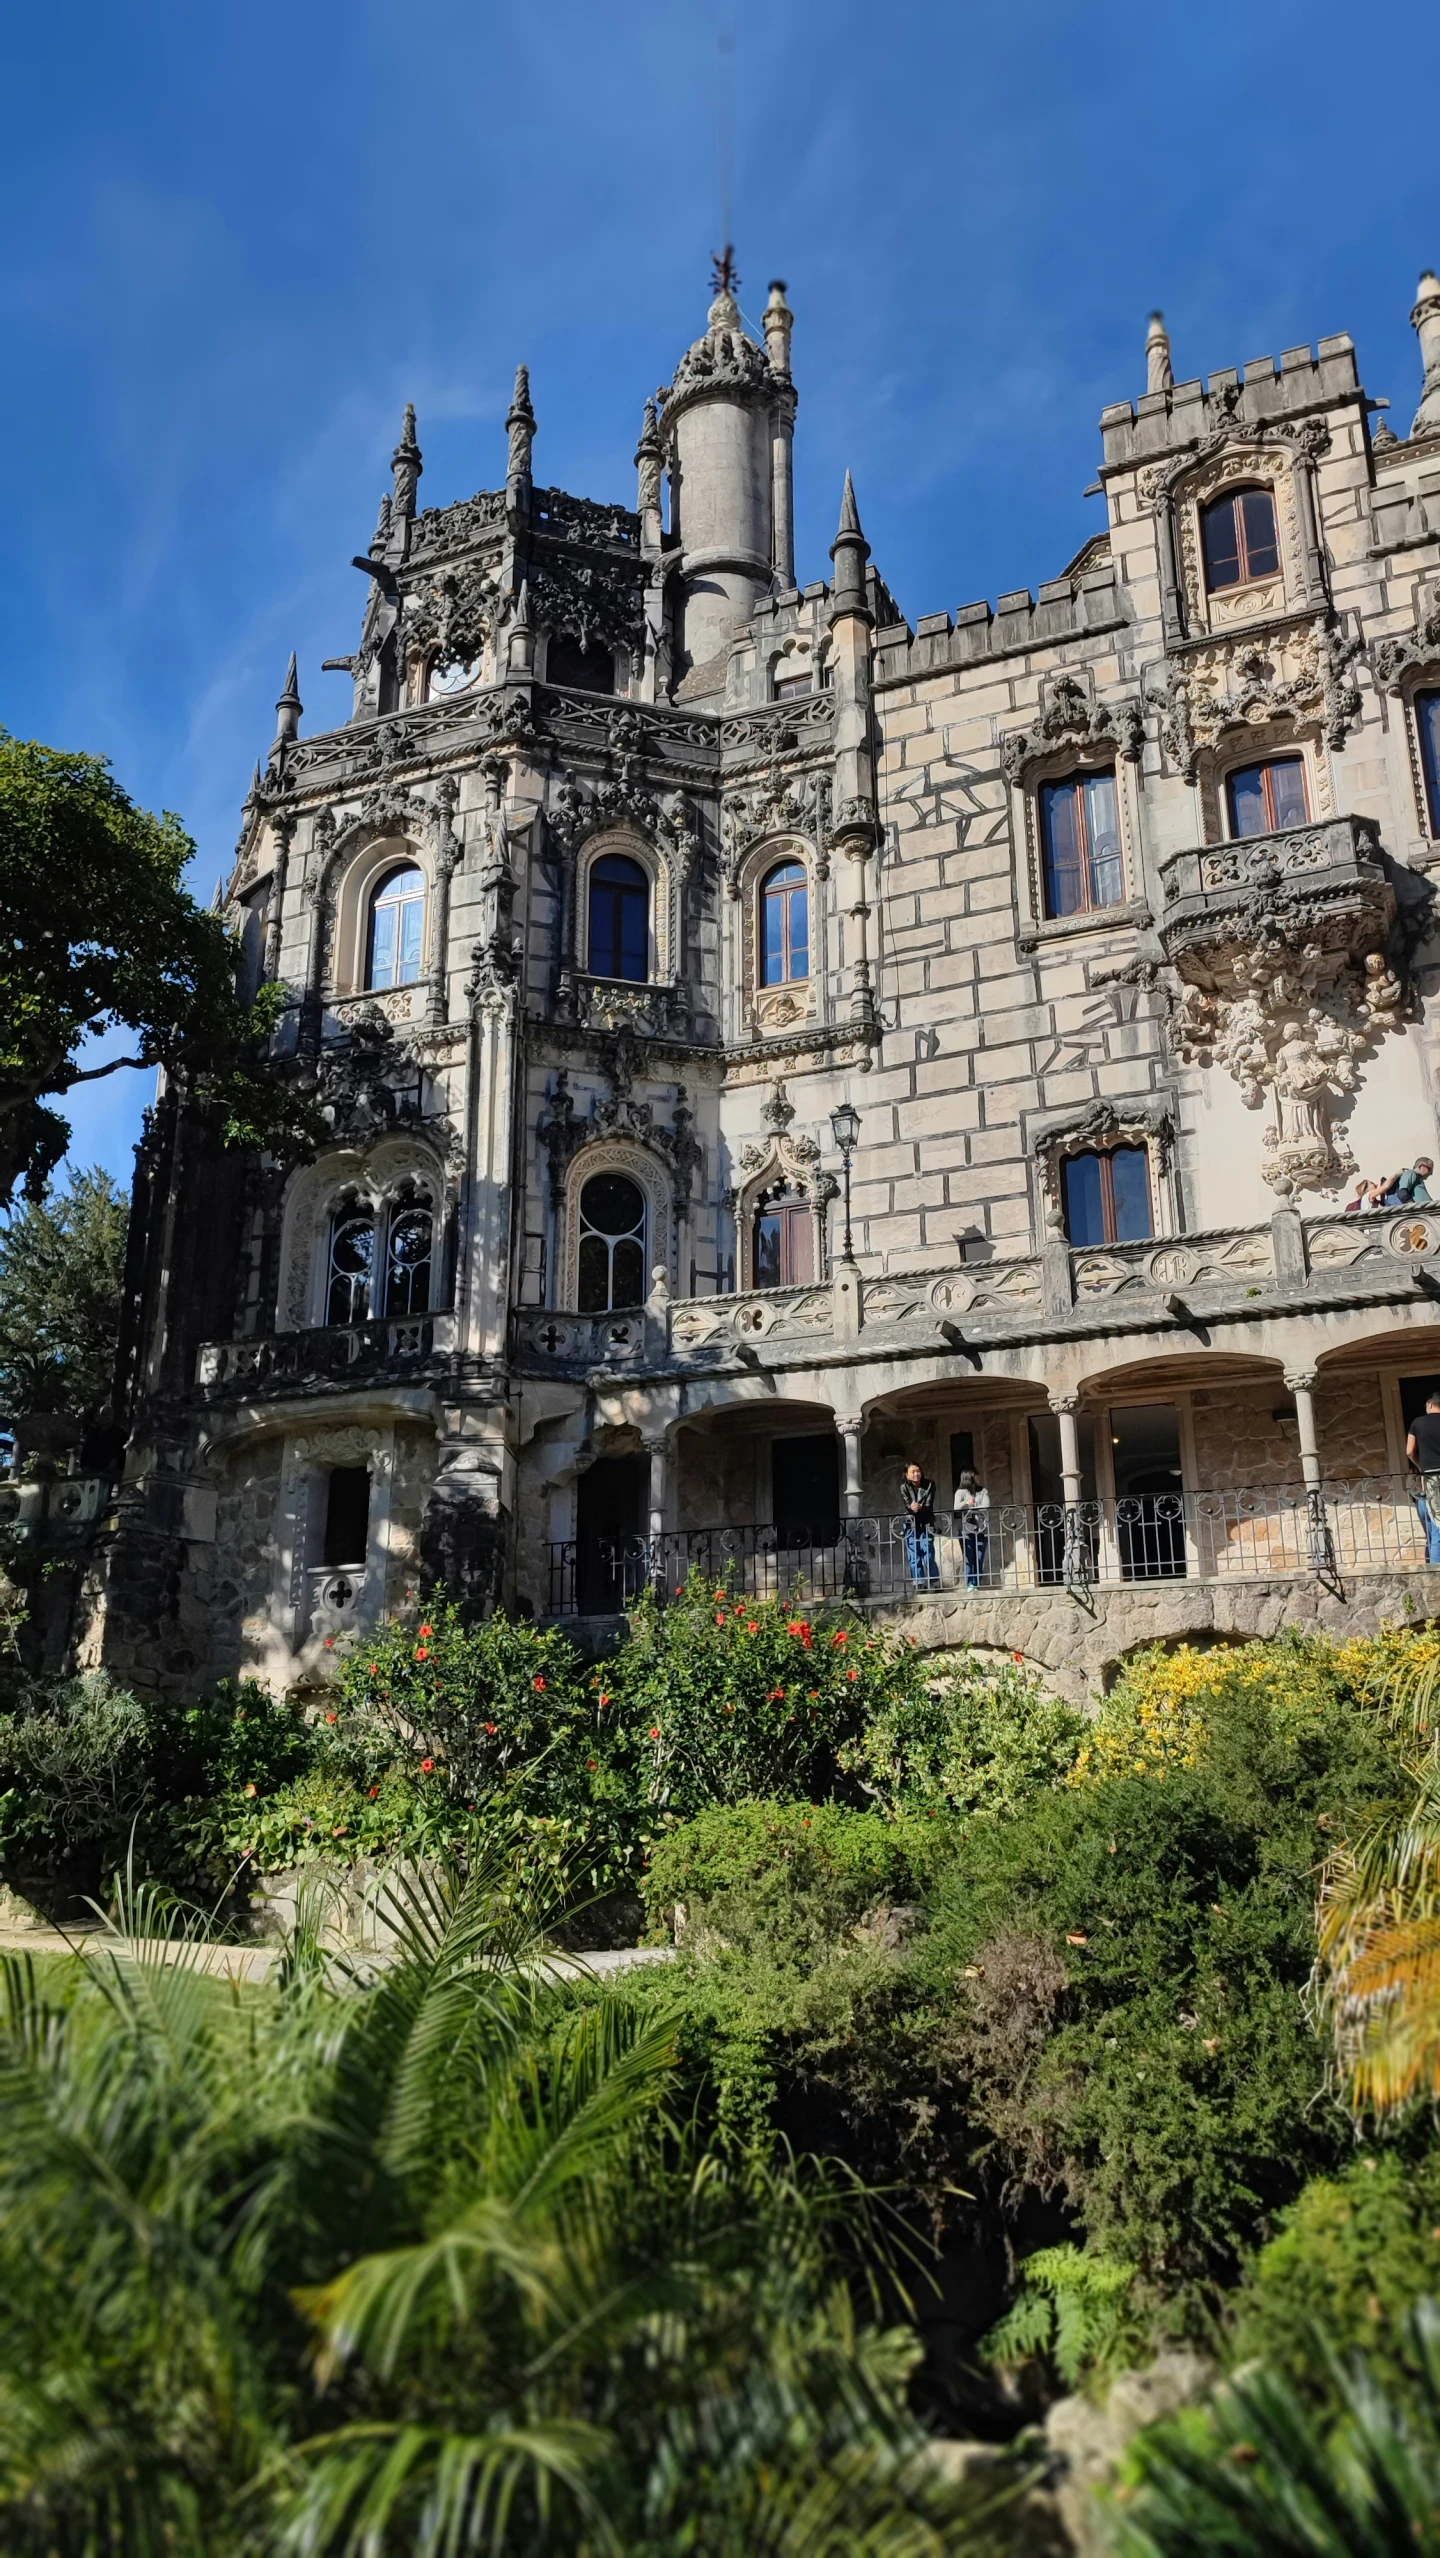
point(718, 427)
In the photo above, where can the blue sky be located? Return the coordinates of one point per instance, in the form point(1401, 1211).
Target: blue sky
point(239, 238)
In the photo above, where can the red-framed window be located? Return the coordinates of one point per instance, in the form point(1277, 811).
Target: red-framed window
point(1239, 540)
point(1264, 798)
point(784, 1242)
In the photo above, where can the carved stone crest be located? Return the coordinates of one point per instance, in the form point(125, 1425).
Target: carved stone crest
point(1069, 717)
point(1248, 681)
point(1394, 658)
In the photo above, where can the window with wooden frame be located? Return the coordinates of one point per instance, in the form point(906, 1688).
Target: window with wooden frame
point(1239, 540)
point(1080, 838)
point(619, 938)
point(1427, 720)
point(396, 939)
point(1107, 1196)
point(1263, 799)
point(784, 1241)
point(784, 925)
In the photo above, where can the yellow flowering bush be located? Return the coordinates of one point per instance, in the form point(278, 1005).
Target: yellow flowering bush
point(1158, 1716)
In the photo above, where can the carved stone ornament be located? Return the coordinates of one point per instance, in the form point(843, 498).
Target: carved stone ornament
point(1308, 437)
point(589, 600)
point(1394, 658)
point(1068, 717)
point(455, 613)
point(564, 1133)
point(455, 528)
point(1290, 1021)
point(725, 359)
point(1248, 682)
point(369, 1084)
point(780, 804)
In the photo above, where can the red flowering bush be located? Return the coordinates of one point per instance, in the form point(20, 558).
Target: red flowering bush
point(724, 1696)
point(488, 1706)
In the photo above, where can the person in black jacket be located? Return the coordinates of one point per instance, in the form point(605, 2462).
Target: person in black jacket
point(1422, 1447)
point(917, 1494)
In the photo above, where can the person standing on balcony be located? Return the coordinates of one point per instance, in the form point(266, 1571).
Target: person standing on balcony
point(972, 1522)
point(1423, 1450)
point(1408, 1189)
point(917, 1495)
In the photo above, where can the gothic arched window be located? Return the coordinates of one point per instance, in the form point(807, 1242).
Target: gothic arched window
point(784, 925)
point(352, 1260)
point(1238, 536)
point(396, 936)
point(584, 670)
point(409, 1247)
point(784, 1241)
point(612, 1243)
point(619, 940)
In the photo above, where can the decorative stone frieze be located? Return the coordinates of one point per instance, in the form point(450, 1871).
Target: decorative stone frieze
point(1393, 659)
point(1302, 671)
point(1070, 717)
point(453, 617)
point(589, 599)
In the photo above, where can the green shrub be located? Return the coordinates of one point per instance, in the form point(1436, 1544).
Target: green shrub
point(1353, 2255)
point(1074, 2310)
point(722, 1697)
point(75, 1774)
point(762, 1869)
point(970, 1737)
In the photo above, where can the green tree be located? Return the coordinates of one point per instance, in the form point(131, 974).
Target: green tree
point(98, 934)
point(62, 1264)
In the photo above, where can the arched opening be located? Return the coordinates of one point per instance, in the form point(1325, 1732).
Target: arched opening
point(784, 1241)
point(584, 670)
point(395, 942)
point(351, 1261)
point(1238, 537)
point(784, 925)
point(409, 1252)
point(619, 936)
point(612, 1244)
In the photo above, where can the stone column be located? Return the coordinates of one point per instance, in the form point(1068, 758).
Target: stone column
point(850, 1425)
point(1425, 321)
point(659, 1484)
point(1064, 1407)
point(1301, 1383)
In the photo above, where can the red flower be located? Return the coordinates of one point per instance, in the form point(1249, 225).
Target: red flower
point(374, 1669)
point(425, 1766)
point(490, 1728)
point(776, 1697)
point(814, 1694)
point(421, 1653)
point(852, 1674)
point(720, 1620)
point(841, 1637)
point(329, 1642)
point(427, 1629)
point(750, 1626)
point(604, 1696)
point(592, 1763)
point(796, 1626)
point(654, 1731)
point(1017, 1656)
point(537, 1685)
point(374, 1793)
point(332, 1718)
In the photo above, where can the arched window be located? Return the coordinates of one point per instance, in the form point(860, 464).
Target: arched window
point(585, 670)
point(785, 925)
point(619, 918)
point(612, 1244)
point(397, 929)
point(409, 1246)
point(352, 1260)
point(1080, 824)
point(784, 1241)
point(1239, 539)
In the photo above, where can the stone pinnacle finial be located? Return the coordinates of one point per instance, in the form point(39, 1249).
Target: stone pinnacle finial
point(520, 427)
point(1425, 321)
point(407, 466)
point(289, 706)
point(778, 322)
point(849, 551)
point(648, 458)
point(380, 538)
point(1159, 371)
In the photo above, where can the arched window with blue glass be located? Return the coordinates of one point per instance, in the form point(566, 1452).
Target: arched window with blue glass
point(395, 942)
point(784, 925)
point(618, 941)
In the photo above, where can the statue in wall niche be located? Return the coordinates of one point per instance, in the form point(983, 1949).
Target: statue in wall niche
point(1294, 1025)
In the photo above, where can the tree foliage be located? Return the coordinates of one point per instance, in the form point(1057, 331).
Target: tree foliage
point(62, 1266)
point(98, 933)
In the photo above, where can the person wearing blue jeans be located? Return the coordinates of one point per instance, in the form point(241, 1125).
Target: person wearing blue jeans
point(972, 1526)
point(1422, 1447)
point(917, 1496)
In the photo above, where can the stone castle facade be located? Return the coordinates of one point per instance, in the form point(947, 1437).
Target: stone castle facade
point(1107, 911)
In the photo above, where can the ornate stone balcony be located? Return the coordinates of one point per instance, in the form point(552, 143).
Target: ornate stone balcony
point(1325, 878)
point(394, 1349)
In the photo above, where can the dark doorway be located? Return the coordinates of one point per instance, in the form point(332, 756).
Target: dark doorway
point(805, 1488)
point(584, 670)
point(610, 1554)
point(347, 1514)
point(1415, 1393)
point(1149, 1491)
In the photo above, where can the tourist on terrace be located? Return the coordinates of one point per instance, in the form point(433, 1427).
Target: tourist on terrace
point(1367, 1195)
point(1423, 1450)
point(972, 1522)
point(917, 1493)
point(1407, 1189)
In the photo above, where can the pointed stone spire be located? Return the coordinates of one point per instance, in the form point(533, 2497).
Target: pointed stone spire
point(289, 706)
point(520, 655)
point(849, 551)
point(520, 426)
point(1425, 321)
point(1159, 371)
point(407, 466)
point(778, 322)
point(380, 538)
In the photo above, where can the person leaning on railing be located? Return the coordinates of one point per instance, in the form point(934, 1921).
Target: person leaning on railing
point(1407, 1189)
point(1422, 1447)
point(972, 1523)
point(917, 1495)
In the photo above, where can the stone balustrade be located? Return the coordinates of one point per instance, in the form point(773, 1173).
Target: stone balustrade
point(393, 1348)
